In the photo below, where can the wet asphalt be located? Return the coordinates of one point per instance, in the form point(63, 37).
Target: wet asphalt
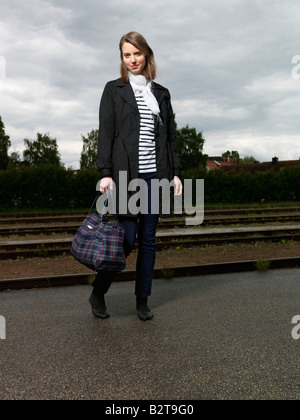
point(215, 337)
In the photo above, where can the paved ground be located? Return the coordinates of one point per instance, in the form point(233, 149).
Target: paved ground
point(219, 337)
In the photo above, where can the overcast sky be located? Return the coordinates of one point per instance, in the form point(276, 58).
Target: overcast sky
point(228, 66)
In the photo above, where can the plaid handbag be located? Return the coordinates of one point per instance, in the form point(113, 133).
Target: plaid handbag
point(98, 243)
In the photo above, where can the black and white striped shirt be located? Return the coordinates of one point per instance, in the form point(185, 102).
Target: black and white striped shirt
point(147, 150)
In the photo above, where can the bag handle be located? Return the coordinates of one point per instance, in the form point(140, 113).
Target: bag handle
point(109, 195)
point(94, 203)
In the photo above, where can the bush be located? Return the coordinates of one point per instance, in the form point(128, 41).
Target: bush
point(47, 187)
point(53, 187)
point(237, 187)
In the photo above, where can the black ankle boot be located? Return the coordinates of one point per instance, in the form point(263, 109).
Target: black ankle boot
point(97, 302)
point(143, 311)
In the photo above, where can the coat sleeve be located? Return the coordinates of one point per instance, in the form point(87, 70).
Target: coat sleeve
point(172, 139)
point(106, 132)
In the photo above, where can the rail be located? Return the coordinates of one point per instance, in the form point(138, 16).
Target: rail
point(209, 221)
point(184, 238)
point(159, 273)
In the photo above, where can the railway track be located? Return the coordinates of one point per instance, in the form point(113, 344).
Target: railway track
point(61, 217)
point(70, 227)
point(184, 238)
point(208, 210)
point(159, 273)
point(172, 232)
point(236, 226)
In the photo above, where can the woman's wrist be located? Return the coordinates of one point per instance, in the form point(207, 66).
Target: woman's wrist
point(105, 184)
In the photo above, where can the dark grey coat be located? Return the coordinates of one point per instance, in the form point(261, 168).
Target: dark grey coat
point(118, 146)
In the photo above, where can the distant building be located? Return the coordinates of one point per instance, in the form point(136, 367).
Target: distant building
point(217, 162)
point(274, 165)
point(277, 164)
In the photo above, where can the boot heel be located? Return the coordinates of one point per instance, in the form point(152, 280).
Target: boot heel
point(143, 311)
point(99, 309)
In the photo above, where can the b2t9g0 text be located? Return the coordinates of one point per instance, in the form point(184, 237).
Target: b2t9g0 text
point(171, 409)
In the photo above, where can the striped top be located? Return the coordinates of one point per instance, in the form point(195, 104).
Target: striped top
point(147, 150)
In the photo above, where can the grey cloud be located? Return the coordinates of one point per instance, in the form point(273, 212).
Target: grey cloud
point(227, 65)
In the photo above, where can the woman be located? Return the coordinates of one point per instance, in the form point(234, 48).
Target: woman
point(137, 136)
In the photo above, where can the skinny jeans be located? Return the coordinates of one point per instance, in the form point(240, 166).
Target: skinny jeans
point(143, 227)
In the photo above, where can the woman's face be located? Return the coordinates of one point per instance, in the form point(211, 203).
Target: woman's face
point(134, 59)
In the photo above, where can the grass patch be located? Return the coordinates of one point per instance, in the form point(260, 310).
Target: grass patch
point(263, 265)
point(168, 273)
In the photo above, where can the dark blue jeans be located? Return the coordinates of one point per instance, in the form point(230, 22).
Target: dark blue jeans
point(144, 226)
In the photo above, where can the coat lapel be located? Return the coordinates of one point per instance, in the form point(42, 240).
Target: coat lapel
point(126, 92)
point(159, 93)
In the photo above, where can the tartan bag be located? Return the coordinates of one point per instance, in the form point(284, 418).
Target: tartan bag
point(98, 243)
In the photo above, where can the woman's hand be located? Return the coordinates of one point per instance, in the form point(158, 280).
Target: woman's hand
point(105, 184)
point(177, 185)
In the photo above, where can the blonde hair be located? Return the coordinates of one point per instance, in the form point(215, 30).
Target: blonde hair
point(139, 42)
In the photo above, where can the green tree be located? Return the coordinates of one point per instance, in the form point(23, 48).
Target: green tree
point(233, 156)
point(14, 160)
point(248, 160)
point(190, 148)
point(88, 158)
point(5, 144)
point(42, 151)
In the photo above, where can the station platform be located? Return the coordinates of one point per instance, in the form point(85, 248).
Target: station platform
point(212, 338)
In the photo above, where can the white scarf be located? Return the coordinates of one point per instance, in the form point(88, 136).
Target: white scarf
point(139, 84)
